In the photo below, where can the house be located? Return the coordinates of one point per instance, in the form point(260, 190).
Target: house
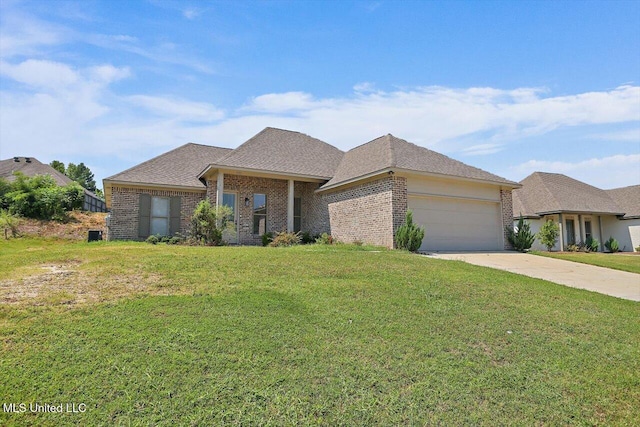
point(30, 166)
point(284, 180)
point(581, 210)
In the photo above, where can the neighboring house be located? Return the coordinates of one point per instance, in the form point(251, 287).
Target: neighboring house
point(282, 180)
point(581, 210)
point(30, 166)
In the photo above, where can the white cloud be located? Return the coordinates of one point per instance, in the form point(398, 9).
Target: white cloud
point(482, 149)
point(191, 13)
point(631, 135)
point(22, 34)
point(606, 172)
point(178, 109)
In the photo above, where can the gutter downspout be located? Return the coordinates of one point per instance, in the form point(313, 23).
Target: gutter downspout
point(561, 233)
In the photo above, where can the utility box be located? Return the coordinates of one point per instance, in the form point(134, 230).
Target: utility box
point(94, 235)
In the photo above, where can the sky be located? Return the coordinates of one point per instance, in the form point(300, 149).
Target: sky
point(511, 87)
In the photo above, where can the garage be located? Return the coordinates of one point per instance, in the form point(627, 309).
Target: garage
point(457, 224)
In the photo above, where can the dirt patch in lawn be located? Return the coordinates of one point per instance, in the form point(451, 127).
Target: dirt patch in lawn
point(76, 228)
point(66, 283)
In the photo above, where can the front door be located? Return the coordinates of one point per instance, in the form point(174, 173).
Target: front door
point(571, 232)
point(230, 199)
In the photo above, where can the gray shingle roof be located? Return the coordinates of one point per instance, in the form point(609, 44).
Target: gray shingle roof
point(284, 151)
point(178, 167)
point(389, 152)
point(31, 168)
point(543, 192)
point(628, 199)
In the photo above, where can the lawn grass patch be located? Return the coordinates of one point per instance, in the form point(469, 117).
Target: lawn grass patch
point(617, 261)
point(332, 335)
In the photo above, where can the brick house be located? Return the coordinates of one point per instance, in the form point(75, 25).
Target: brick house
point(582, 211)
point(284, 180)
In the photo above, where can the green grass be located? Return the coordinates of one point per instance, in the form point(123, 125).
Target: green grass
point(329, 335)
point(624, 262)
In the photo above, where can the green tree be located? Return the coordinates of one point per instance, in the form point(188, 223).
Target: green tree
point(81, 174)
point(521, 238)
point(548, 234)
point(409, 235)
point(58, 165)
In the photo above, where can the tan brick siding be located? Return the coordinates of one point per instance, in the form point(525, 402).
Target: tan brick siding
point(369, 212)
point(507, 215)
point(124, 210)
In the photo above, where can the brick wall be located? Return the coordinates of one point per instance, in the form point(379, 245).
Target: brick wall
point(368, 212)
point(507, 215)
point(124, 210)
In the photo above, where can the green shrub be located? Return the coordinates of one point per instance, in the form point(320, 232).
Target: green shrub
point(306, 238)
point(612, 245)
point(208, 223)
point(521, 238)
point(591, 245)
point(548, 234)
point(175, 240)
point(324, 239)
point(637, 248)
point(409, 235)
point(40, 197)
point(573, 248)
point(285, 239)
point(153, 239)
point(267, 238)
point(9, 223)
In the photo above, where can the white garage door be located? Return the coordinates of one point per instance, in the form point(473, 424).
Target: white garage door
point(457, 224)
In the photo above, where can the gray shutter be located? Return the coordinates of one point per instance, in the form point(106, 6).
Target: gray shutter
point(174, 212)
point(144, 216)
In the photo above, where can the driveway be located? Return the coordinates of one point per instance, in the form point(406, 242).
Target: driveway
point(616, 283)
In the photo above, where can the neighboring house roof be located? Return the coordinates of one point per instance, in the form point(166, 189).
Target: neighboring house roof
point(286, 152)
point(628, 199)
point(178, 167)
point(30, 166)
point(545, 193)
point(390, 153)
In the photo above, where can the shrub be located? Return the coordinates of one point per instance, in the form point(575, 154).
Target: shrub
point(637, 248)
point(9, 223)
point(306, 238)
point(285, 239)
point(548, 234)
point(324, 239)
point(267, 238)
point(40, 197)
point(591, 245)
point(573, 248)
point(521, 238)
point(208, 223)
point(409, 235)
point(612, 245)
point(153, 239)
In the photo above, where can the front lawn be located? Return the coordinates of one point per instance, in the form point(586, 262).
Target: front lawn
point(330, 335)
point(618, 261)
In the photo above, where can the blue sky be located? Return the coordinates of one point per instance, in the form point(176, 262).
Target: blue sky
point(511, 87)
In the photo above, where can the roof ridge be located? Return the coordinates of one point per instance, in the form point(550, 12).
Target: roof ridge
point(392, 152)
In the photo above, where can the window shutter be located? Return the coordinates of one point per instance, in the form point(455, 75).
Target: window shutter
point(144, 215)
point(174, 212)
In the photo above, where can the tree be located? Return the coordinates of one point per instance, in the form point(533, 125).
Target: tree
point(409, 235)
point(521, 238)
point(82, 175)
point(58, 165)
point(548, 234)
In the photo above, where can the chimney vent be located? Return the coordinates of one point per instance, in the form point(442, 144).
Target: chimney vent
point(27, 159)
point(16, 159)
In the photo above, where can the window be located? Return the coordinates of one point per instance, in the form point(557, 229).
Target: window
point(229, 199)
point(259, 213)
point(571, 232)
point(587, 230)
point(160, 216)
point(297, 214)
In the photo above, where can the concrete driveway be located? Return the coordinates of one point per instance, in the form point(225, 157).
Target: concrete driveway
point(616, 283)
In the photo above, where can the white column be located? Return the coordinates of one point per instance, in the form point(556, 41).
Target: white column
point(561, 234)
point(219, 188)
point(600, 231)
point(290, 207)
point(581, 229)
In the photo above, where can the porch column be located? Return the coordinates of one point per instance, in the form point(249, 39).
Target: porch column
point(219, 188)
point(581, 228)
point(601, 236)
point(290, 207)
point(561, 233)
